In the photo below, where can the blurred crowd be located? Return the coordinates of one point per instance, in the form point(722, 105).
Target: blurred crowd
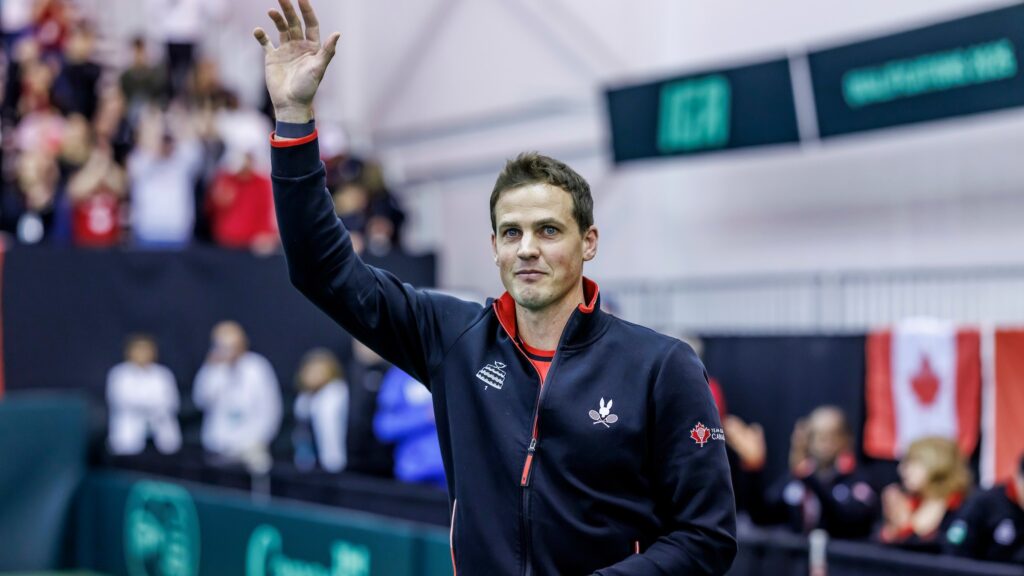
point(931, 504)
point(144, 144)
point(372, 419)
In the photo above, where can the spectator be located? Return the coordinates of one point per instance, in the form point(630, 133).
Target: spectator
point(143, 83)
point(238, 393)
point(28, 209)
point(182, 24)
point(240, 207)
point(142, 400)
point(75, 90)
point(321, 413)
point(990, 526)
point(935, 480)
point(161, 172)
point(51, 21)
point(366, 453)
point(405, 417)
point(96, 191)
point(823, 489)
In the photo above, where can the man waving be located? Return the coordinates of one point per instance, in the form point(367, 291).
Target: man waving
point(573, 442)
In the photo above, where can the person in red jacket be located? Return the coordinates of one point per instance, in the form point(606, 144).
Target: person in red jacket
point(240, 205)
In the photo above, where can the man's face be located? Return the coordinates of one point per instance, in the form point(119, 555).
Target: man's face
point(538, 246)
point(827, 436)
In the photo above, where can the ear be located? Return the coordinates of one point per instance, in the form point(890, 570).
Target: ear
point(494, 247)
point(590, 243)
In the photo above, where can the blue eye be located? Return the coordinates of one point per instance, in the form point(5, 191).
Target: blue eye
point(511, 233)
point(550, 230)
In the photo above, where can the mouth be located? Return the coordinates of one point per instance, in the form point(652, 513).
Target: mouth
point(529, 274)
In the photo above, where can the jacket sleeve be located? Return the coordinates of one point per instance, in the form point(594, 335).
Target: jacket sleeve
point(410, 328)
point(691, 482)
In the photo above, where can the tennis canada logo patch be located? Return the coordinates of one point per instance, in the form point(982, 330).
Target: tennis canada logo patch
point(701, 434)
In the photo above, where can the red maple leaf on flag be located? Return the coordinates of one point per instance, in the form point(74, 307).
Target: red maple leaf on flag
point(700, 434)
point(925, 383)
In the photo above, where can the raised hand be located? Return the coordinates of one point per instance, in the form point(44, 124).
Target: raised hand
point(295, 67)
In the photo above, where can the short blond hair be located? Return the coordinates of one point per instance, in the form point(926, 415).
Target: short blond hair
point(947, 469)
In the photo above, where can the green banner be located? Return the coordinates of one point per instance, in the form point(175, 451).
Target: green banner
point(133, 526)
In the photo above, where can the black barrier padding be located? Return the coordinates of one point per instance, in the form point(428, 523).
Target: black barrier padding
point(67, 312)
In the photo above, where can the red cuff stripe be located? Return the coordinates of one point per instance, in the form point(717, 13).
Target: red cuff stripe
point(289, 142)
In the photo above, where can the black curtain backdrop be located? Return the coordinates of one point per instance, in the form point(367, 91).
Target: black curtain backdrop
point(775, 380)
point(66, 313)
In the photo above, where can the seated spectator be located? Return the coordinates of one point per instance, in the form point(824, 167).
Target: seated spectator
point(321, 413)
point(238, 393)
point(935, 480)
point(142, 401)
point(405, 417)
point(990, 526)
point(240, 206)
point(823, 489)
point(161, 171)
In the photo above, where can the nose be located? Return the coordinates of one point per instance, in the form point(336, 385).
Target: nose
point(528, 247)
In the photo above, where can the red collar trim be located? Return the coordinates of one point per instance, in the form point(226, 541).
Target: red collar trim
point(590, 292)
point(1011, 491)
point(846, 463)
point(505, 308)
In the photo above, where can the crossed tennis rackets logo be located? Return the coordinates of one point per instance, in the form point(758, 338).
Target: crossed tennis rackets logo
point(604, 414)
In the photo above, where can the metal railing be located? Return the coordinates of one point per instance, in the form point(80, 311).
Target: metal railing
point(823, 302)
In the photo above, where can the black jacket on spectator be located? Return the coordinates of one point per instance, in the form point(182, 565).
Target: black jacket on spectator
point(842, 501)
point(990, 526)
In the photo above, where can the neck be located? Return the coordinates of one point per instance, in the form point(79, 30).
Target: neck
point(543, 328)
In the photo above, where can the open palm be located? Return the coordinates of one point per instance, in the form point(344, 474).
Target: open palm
point(295, 67)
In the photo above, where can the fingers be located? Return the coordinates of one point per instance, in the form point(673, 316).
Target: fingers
point(329, 48)
point(263, 39)
point(309, 19)
point(294, 26)
point(282, 26)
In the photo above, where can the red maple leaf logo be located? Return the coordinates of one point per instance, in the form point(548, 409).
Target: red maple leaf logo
point(700, 434)
point(925, 383)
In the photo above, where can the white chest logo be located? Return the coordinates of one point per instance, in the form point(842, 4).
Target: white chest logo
point(492, 374)
point(603, 415)
point(1005, 534)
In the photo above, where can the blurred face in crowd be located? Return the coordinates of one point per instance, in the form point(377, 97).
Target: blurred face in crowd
point(827, 436)
point(228, 340)
point(538, 245)
point(914, 475)
point(76, 144)
point(142, 351)
point(316, 372)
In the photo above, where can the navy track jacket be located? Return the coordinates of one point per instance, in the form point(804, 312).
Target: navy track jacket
point(616, 466)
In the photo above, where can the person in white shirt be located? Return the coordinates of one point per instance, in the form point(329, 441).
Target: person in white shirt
point(142, 401)
point(162, 172)
point(238, 393)
point(321, 413)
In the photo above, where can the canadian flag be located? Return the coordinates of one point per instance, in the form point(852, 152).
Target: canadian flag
point(1003, 441)
point(923, 379)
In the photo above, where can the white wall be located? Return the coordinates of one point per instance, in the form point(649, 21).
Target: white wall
point(446, 89)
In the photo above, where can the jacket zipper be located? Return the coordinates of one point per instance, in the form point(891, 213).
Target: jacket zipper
point(524, 480)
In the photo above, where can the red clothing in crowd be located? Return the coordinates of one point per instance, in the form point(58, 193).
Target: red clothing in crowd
point(96, 220)
point(241, 209)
